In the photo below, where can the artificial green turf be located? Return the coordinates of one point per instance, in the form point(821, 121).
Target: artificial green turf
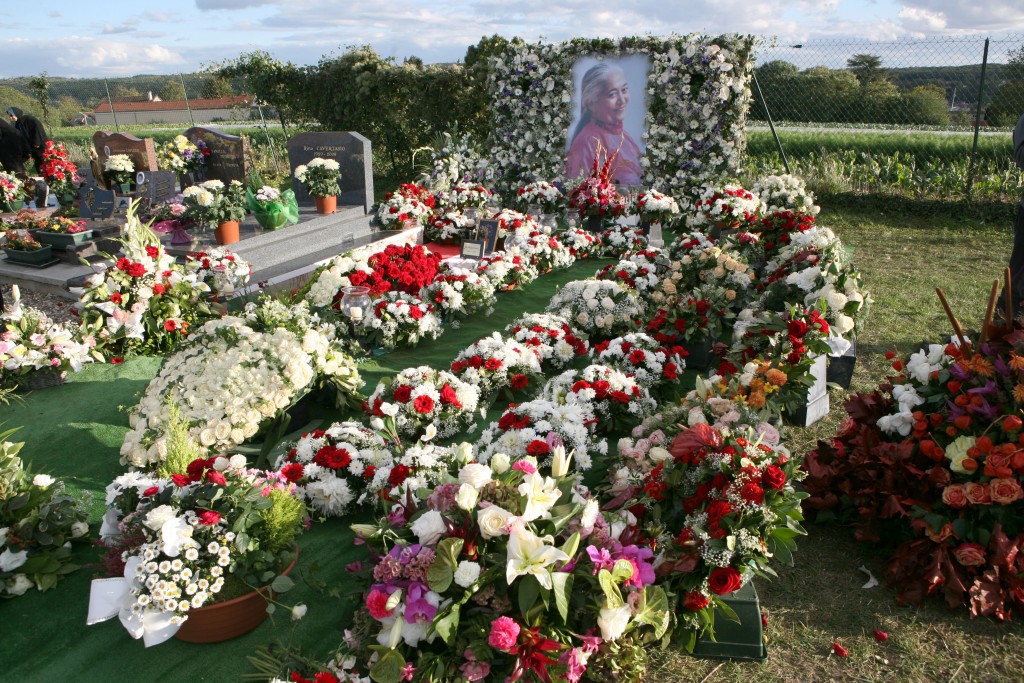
point(75, 431)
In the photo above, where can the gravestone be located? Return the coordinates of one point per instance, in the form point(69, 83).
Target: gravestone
point(142, 152)
point(95, 202)
point(156, 187)
point(354, 155)
point(229, 154)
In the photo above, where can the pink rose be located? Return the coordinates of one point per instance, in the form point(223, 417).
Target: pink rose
point(955, 496)
point(978, 494)
point(1005, 491)
point(504, 633)
point(970, 555)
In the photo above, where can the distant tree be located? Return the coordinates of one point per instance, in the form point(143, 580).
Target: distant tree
point(1007, 103)
point(413, 61)
point(867, 68)
point(40, 87)
point(776, 69)
point(67, 109)
point(216, 87)
point(172, 90)
point(124, 92)
point(927, 105)
point(10, 97)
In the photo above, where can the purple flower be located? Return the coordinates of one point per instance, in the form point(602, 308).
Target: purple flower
point(643, 572)
point(602, 559)
point(417, 608)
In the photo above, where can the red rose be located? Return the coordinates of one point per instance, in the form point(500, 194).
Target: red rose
point(601, 388)
point(724, 580)
point(619, 396)
point(519, 381)
point(1005, 491)
point(194, 470)
point(773, 478)
point(978, 494)
point(538, 448)
point(292, 472)
point(136, 269)
point(695, 600)
point(398, 474)
point(797, 328)
point(955, 496)
point(180, 480)
point(215, 477)
point(449, 397)
point(492, 364)
point(970, 555)
point(423, 404)
point(415, 312)
point(403, 393)
point(151, 491)
point(209, 517)
point(752, 493)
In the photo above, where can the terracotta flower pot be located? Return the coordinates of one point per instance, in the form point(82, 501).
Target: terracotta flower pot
point(226, 620)
point(326, 204)
point(227, 232)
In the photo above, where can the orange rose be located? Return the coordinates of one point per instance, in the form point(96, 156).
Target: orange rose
point(945, 532)
point(955, 496)
point(977, 494)
point(970, 555)
point(1005, 491)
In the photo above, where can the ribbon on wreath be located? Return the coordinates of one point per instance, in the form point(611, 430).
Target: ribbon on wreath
point(109, 598)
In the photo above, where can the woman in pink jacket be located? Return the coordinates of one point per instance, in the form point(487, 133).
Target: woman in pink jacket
point(603, 102)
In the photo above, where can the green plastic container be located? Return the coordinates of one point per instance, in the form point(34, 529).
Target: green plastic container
point(35, 258)
point(743, 641)
point(62, 239)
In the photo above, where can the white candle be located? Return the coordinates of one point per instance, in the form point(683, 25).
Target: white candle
point(356, 313)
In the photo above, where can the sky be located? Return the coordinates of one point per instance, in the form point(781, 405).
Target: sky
point(119, 38)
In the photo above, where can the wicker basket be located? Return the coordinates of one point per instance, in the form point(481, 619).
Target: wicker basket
point(43, 379)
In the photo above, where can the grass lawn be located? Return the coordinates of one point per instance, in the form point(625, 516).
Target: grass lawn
point(903, 257)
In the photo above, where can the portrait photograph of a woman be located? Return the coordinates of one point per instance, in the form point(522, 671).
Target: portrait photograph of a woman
point(609, 109)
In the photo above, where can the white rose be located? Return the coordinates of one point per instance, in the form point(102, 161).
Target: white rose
point(42, 480)
point(476, 475)
point(221, 463)
point(613, 621)
point(658, 454)
point(493, 521)
point(607, 303)
point(158, 516)
point(429, 527)
point(500, 463)
point(467, 497)
point(464, 452)
point(79, 529)
point(467, 573)
point(20, 584)
point(237, 462)
point(10, 561)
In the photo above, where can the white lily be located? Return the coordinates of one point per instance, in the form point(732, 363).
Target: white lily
point(541, 495)
point(528, 554)
point(560, 461)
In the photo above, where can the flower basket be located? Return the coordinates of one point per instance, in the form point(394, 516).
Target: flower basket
point(226, 620)
point(62, 239)
point(36, 257)
point(12, 206)
point(43, 379)
point(325, 205)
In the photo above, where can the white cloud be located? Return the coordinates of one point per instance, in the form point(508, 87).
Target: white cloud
point(957, 16)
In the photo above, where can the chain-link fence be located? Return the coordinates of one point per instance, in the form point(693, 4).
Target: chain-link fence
point(921, 117)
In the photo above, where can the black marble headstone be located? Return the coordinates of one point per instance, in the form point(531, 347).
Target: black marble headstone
point(354, 155)
point(95, 202)
point(229, 154)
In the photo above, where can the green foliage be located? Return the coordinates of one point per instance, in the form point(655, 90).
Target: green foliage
point(217, 86)
point(172, 90)
point(282, 520)
point(181, 447)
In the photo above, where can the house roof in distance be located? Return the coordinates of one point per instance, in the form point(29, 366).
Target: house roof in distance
point(174, 105)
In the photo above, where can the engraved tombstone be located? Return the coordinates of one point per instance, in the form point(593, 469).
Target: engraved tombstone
point(142, 152)
point(354, 155)
point(229, 154)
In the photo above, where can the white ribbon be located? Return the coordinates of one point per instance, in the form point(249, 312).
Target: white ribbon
point(839, 345)
point(109, 598)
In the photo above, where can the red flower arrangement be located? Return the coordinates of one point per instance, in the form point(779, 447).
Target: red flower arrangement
point(59, 172)
point(405, 268)
point(777, 228)
point(597, 195)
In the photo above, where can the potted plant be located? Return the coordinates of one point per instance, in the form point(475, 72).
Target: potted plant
point(10, 192)
point(26, 250)
point(273, 208)
point(320, 178)
point(222, 205)
point(62, 232)
point(119, 170)
point(59, 172)
point(187, 572)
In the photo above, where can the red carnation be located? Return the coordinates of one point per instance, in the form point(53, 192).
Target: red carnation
point(215, 477)
point(519, 381)
point(538, 448)
point(116, 298)
point(492, 364)
point(696, 600)
point(136, 269)
point(398, 474)
point(415, 312)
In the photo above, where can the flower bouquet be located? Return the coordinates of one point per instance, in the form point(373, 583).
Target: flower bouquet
point(652, 206)
point(319, 177)
point(327, 284)
point(494, 364)
point(535, 428)
point(38, 521)
point(425, 401)
point(637, 276)
point(778, 193)
point(551, 337)
point(272, 208)
point(619, 240)
point(696, 318)
point(543, 194)
point(407, 268)
point(31, 344)
point(597, 195)
point(652, 365)
point(181, 551)
point(546, 251)
point(181, 155)
point(120, 170)
point(458, 293)
point(700, 264)
point(449, 228)
point(616, 399)
point(735, 405)
point(221, 269)
point(467, 196)
point(515, 225)
point(507, 269)
point(10, 190)
point(59, 172)
point(234, 375)
point(407, 206)
point(336, 469)
point(580, 243)
point(777, 228)
point(441, 576)
point(726, 207)
point(724, 506)
point(400, 319)
point(597, 307)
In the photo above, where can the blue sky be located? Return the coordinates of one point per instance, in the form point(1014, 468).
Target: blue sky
point(118, 37)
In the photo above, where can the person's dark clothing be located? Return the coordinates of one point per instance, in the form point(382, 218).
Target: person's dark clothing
point(13, 150)
point(1017, 255)
point(32, 130)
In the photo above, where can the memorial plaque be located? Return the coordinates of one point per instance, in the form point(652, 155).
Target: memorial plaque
point(95, 202)
point(354, 156)
point(157, 187)
point(142, 152)
point(229, 154)
point(488, 231)
point(472, 249)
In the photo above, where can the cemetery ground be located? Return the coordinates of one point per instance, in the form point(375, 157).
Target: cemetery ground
point(904, 252)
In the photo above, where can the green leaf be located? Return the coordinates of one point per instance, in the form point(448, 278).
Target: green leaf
point(571, 544)
point(439, 574)
point(529, 591)
point(271, 608)
point(612, 596)
point(388, 668)
point(282, 584)
point(449, 550)
point(562, 586)
point(622, 571)
point(447, 625)
point(654, 611)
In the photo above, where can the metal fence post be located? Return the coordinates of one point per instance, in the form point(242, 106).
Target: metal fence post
point(277, 166)
point(771, 124)
point(977, 122)
point(111, 102)
point(188, 106)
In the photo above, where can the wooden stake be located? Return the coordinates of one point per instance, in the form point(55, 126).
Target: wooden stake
point(989, 311)
point(952, 320)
